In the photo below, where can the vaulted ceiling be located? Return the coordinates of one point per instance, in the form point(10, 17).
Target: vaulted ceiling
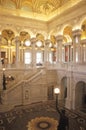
point(36, 9)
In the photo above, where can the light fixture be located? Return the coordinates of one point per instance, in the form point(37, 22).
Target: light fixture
point(39, 43)
point(56, 90)
point(4, 80)
point(27, 42)
point(3, 69)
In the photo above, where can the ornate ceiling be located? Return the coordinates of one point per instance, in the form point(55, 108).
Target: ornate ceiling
point(36, 9)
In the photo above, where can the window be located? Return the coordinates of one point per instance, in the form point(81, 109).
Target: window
point(39, 58)
point(27, 57)
point(50, 57)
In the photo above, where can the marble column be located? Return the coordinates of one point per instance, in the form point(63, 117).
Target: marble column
point(33, 43)
point(46, 53)
point(22, 52)
point(83, 51)
point(9, 53)
point(59, 39)
point(70, 89)
point(17, 42)
point(76, 46)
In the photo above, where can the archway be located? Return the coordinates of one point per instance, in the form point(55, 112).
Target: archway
point(80, 95)
point(63, 90)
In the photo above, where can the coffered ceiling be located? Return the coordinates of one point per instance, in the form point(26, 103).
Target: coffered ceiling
point(36, 9)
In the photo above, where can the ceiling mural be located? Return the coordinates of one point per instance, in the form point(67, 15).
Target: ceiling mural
point(35, 8)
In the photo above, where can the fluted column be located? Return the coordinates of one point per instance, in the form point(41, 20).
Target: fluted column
point(59, 39)
point(76, 46)
point(17, 42)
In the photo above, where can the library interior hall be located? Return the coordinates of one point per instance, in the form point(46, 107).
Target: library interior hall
point(42, 64)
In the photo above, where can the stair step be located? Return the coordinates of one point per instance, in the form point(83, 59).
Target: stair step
point(4, 108)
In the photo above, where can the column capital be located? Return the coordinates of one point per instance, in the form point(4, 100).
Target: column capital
point(59, 37)
point(17, 39)
point(33, 40)
point(77, 32)
point(47, 41)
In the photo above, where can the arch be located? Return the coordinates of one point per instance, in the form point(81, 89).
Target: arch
point(83, 27)
point(7, 27)
point(83, 18)
point(67, 33)
point(30, 32)
point(24, 35)
point(40, 37)
point(43, 33)
point(80, 95)
point(63, 89)
point(8, 34)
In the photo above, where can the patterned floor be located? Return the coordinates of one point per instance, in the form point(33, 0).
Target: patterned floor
point(20, 117)
point(43, 123)
point(40, 116)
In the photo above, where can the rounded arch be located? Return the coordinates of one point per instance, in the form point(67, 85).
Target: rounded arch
point(43, 33)
point(80, 95)
point(29, 31)
point(67, 33)
point(24, 35)
point(83, 27)
point(8, 34)
point(63, 89)
point(40, 37)
point(7, 27)
point(83, 18)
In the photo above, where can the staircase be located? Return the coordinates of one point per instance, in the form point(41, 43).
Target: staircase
point(28, 90)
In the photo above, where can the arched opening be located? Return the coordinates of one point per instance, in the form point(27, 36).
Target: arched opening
point(67, 44)
point(50, 92)
point(63, 90)
point(80, 95)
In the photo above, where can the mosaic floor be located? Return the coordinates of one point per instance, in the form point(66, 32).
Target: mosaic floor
point(25, 118)
point(41, 116)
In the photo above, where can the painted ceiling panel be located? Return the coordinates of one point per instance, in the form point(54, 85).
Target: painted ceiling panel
point(37, 7)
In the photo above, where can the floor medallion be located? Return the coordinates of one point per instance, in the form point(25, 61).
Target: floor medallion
point(43, 123)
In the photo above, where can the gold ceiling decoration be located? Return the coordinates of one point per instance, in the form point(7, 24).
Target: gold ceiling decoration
point(83, 36)
point(8, 34)
point(40, 37)
point(67, 34)
point(36, 9)
point(24, 36)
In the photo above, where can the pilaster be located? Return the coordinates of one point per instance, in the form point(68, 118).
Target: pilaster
point(77, 46)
